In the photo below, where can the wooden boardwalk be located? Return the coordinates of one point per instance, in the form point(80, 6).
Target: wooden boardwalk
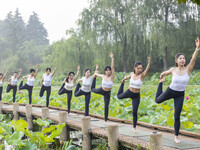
point(98, 129)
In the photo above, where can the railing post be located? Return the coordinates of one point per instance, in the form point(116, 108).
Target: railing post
point(155, 141)
point(113, 137)
point(45, 113)
point(15, 111)
point(65, 135)
point(87, 141)
point(29, 117)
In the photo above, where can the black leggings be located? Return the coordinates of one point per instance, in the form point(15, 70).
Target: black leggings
point(106, 95)
point(14, 88)
point(178, 103)
point(135, 101)
point(29, 88)
point(48, 90)
point(87, 97)
point(69, 96)
point(1, 90)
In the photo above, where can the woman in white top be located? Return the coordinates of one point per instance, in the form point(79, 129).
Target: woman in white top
point(68, 85)
point(176, 90)
point(46, 84)
point(85, 89)
point(2, 77)
point(12, 85)
point(30, 81)
point(133, 92)
point(107, 83)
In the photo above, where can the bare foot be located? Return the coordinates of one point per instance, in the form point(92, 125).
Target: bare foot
point(23, 78)
point(134, 130)
point(162, 79)
point(176, 140)
point(123, 81)
point(105, 123)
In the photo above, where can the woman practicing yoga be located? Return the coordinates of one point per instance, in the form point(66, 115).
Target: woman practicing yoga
point(133, 92)
point(68, 85)
point(85, 89)
point(30, 81)
point(46, 84)
point(12, 85)
point(107, 83)
point(176, 90)
point(2, 77)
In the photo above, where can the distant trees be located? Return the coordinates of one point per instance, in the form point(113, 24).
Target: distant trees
point(21, 44)
point(133, 30)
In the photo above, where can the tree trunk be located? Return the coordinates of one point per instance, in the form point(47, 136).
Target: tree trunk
point(125, 53)
point(165, 36)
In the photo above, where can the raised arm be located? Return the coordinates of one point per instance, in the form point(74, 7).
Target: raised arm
point(147, 68)
point(112, 66)
point(78, 68)
point(54, 70)
point(190, 66)
point(4, 75)
point(38, 66)
point(20, 72)
point(96, 71)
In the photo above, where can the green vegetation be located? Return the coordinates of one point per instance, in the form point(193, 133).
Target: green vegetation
point(149, 111)
point(16, 134)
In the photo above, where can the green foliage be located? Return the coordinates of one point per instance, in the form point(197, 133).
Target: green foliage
point(16, 133)
point(67, 146)
point(194, 1)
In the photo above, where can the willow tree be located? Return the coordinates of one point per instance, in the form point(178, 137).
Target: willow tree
point(112, 21)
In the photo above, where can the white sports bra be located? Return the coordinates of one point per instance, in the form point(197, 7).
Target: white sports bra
point(30, 81)
point(69, 86)
point(86, 85)
point(137, 84)
point(14, 81)
point(1, 83)
point(179, 83)
point(107, 84)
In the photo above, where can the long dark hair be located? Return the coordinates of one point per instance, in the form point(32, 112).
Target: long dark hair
point(67, 79)
point(1, 74)
point(137, 64)
point(106, 68)
point(177, 56)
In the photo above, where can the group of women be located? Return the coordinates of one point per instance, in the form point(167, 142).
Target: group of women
point(180, 77)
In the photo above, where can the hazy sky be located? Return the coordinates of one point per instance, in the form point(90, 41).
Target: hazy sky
point(57, 15)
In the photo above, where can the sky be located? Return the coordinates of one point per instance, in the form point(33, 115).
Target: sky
point(57, 15)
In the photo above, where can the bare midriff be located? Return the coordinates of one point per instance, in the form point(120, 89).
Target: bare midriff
point(134, 90)
point(106, 89)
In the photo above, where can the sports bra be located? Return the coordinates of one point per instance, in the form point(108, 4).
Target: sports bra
point(86, 84)
point(14, 81)
point(47, 79)
point(137, 84)
point(107, 84)
point(179, 83)
point(30, 81)
point(69, 86)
